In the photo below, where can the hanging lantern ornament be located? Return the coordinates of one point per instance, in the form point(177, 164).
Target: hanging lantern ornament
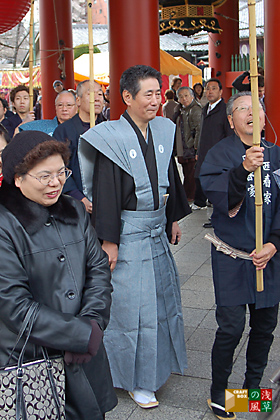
point(188, 17)
point(12, 12)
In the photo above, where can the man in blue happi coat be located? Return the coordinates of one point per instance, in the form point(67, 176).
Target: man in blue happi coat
point(227, 177)
point(133, 171)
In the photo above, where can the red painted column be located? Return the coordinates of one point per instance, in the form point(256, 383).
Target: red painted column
point(272, 63)
point(55, 30)
point(133, 39)
point(222, 46)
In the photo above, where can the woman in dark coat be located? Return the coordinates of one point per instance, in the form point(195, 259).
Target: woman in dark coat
point(50, 254)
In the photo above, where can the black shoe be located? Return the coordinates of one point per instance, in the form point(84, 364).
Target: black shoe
point(207, 225)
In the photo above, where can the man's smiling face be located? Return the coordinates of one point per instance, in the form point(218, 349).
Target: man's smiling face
point(241, 119)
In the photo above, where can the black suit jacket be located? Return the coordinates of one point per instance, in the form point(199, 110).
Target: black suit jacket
point(214, 127)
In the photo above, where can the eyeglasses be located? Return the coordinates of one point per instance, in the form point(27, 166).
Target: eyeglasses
point(244, 108)
point(46, 179)
point(67, 106)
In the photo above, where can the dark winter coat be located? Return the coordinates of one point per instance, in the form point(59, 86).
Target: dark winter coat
point(11, 123)
point(51, 255)
point(214, 127)
point(70, 131)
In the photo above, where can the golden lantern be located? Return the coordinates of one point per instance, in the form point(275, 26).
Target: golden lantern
point(187, 17)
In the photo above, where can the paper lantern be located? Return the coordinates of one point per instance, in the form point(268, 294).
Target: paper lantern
point(12, 12)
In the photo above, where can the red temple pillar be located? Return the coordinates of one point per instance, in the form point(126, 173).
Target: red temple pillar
point(272, 63)
point(222, 46)
point(55, 43)
point(133, 39)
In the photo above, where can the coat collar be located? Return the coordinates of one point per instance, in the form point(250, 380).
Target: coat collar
point(214, 110)
point(32, 216)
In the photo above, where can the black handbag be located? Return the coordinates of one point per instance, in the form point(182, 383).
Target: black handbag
point(32, 390)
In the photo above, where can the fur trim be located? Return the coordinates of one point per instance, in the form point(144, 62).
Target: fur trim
point(32, 216)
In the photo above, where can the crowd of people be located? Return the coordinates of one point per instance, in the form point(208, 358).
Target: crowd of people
point(90, 211)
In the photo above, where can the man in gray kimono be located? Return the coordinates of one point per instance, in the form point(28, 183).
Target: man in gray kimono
point(133, 173)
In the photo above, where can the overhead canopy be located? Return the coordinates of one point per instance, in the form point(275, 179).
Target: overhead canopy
point(196, 72)
point(100, 67)
point(187, 17)
point(193, 70)
point(168, 65)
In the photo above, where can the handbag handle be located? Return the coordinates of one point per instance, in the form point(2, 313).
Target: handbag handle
point(27, 325)
point(30, 313)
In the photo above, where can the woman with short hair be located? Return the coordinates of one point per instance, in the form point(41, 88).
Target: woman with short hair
point(50, 254)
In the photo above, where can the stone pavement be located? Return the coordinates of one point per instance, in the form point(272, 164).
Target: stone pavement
point(184, 397)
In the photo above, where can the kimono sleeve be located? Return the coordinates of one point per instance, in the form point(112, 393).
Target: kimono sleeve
point(107, 199)
point(177, 204)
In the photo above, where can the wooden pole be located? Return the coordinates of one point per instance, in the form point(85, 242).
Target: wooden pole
point(31, 31)
point(91, 69)
point(256, 133)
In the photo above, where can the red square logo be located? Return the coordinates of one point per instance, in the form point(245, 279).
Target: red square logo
point(254, 406)
point(266, 394)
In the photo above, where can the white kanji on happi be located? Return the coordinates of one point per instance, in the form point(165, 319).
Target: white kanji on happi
point(267, 197)
point(266, 166)
point(251, 190)
point(250, 177)
point(267, 181)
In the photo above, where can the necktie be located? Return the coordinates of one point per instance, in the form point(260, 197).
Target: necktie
point(209, 109)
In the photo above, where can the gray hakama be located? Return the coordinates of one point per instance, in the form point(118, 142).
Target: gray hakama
point(145, 336)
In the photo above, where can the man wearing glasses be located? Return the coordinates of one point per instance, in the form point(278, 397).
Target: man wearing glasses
point(227, 177)
point(65, 108)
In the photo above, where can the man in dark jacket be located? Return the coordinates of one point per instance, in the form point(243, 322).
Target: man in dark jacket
point(187, 118)
point(19, 97)
point(227, 177)
point(71, 131)
point(214, 127)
